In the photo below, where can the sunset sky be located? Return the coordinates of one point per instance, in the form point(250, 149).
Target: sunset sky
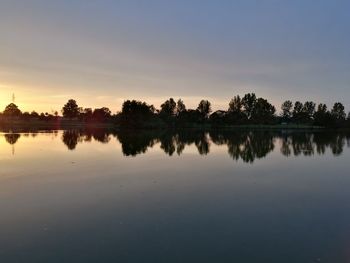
point(103, 52)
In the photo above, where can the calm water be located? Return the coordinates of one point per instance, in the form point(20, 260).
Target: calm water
point(98, 196)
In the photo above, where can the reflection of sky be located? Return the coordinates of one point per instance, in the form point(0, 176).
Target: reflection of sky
point(102, 52)
point(95, 204)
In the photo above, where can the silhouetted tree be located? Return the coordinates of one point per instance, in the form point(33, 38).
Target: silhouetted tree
point(309, 109)
point(12, 110)
point(235, 104)
point(168, 108)
point(299, 113)
point(248, 103)
point(246, 110)
point(338, 111)
point(235, 114)
point(136, 113)
point(101, 114)
point(136, 108)
point(34, 114)
point(204, 108)
point(323, 117)
point(180, 107)
point(322, 108)
point(287, 107)
point(70, 109)
point(298, 107)
point(263, 111)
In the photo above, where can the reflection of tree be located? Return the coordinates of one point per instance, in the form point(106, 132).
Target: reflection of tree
point(134, 143)
point(285, 148)
point(249, 146)
point(203, 145)
point(12, 138)
point(199, 138)
point(101, 136)
point(303, 144)
point(309, 143)
point(242, 145)
point(245, 145)
point(167, 144)
point(70, 138)
point(337, 145)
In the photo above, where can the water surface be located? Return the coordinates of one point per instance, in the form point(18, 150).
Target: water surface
point(189, 196)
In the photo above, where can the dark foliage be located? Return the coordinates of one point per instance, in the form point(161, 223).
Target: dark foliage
point(247, 110)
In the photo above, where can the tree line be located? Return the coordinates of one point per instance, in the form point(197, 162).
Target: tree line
point(245, 110)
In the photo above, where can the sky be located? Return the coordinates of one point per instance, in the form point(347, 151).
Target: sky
point(104, 52)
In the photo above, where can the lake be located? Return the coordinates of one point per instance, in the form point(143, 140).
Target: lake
point(180, 196)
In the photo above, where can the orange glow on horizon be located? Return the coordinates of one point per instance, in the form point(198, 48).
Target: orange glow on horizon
point(30, 99)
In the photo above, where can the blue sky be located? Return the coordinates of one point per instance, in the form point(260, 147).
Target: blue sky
point(103, 52)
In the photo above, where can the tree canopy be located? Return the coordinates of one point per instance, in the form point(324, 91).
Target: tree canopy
point(12, 110)
point(70, 109)
point(204, 107)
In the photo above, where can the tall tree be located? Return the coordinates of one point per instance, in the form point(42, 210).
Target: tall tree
point(248, 103)
point(338, 111)
point(298, 114)
point(12, 110)
point(322, 108)
point(235, 104)
point(70, 109)
point(263, 111)
point(168, 108)
point(322, 116)
point(204, 107)
point(309, 109)
point(180, 106)
point(287, 109)
point(298, 107)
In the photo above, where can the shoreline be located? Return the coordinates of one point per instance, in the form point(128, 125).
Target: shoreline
point(66, 125)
